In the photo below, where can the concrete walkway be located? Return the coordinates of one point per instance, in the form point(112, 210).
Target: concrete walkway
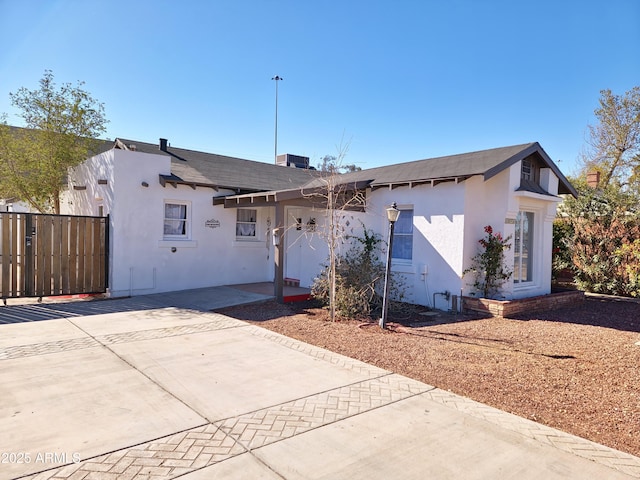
point(167, 391)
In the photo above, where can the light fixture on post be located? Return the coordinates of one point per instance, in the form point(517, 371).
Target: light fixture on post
point(392, 215)
point(276, 237)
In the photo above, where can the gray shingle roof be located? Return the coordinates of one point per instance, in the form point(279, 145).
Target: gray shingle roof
point(200, 168)
point(246, 176)
point(456, 167)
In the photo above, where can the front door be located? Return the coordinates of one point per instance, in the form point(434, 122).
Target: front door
point(294, 239)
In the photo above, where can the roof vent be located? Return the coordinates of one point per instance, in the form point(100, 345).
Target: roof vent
point(288, 160)
point(133, 147)
point(163, 144)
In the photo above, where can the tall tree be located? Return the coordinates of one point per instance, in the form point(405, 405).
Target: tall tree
point(62, 125)
point(614, 142)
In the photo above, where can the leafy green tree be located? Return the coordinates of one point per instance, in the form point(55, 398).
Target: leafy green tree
point(331, 164)
point(62, 125)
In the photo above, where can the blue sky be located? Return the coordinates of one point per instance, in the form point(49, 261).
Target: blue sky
point(397, 80)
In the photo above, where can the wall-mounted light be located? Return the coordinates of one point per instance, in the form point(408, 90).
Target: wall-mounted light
point(276, 237)
point(174, 249)
point(144, 184)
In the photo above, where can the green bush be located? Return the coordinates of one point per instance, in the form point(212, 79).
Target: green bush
point(561, 259)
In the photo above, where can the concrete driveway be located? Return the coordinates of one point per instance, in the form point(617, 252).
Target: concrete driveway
point(165, 392)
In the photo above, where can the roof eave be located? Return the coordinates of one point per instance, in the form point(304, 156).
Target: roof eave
point(308, 196)
point(415, 183)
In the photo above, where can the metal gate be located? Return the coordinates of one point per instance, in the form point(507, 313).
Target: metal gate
point(46, 255)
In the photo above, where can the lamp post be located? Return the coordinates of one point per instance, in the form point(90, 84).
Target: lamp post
point(392, 215)
point(275, 154)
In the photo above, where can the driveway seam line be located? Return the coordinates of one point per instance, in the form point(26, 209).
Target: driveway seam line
point(144, 374)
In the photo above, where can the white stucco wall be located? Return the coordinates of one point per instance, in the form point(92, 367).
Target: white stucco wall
point(141, 260)
point(449, 220)
point(438, 228)
point(486, 203)
point(497, 202)
point(90, 175)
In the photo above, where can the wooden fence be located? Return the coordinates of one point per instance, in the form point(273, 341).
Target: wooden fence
point(47, 255)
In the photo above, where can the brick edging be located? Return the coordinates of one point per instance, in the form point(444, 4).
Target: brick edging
point(505, 308)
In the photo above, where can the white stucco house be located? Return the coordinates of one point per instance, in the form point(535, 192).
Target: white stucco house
point(182, 219)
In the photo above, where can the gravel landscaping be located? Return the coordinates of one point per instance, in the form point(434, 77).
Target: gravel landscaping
point(575, 369)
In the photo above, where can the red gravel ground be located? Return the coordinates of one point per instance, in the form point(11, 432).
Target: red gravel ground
point(574, 369)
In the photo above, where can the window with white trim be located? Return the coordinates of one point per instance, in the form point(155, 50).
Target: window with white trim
point(246, 221)
point(176, 220)
point(403, 236)
point(523, 248)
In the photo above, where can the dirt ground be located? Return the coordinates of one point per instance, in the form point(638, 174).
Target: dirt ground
point(575, 369)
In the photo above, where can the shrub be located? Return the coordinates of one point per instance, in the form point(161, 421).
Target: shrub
point(487, 266)
point(561, 259)
point(603, 243)
point(359, 278)
point(605, 254)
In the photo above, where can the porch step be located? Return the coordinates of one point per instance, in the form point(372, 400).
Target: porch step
point(291, 282)
point(303, 297)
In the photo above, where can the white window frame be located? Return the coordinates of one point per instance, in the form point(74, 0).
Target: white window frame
point(403, 208)
point(518, 253)
point(241, 224)
point(187, 220)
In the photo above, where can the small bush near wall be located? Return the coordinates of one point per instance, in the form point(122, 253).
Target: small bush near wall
point(488, 266)
point(359, 278)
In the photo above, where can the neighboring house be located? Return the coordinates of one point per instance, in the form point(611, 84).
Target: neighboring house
point(13, 205)
point(183, 219)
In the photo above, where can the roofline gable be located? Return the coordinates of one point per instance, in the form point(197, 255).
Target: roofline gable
point(530, 150)
point(522, 154)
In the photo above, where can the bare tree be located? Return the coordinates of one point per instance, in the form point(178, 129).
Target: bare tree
point(614, 142)
point(337, 195)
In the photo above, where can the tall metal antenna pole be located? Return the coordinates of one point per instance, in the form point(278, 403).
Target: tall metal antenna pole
point(275, 152)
